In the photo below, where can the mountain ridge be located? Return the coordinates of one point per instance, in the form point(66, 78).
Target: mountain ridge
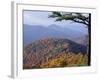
point(36, 32)
point(39, 51)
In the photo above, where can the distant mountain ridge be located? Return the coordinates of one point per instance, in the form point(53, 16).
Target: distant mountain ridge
point(36, 32)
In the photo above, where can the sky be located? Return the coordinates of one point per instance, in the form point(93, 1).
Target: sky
point(41, 18)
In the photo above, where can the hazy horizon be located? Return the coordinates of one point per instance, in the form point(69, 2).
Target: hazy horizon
point(48, 27)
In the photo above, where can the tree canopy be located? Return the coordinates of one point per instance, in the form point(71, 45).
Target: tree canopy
point(75, 17)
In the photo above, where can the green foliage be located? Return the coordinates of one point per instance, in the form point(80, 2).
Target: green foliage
point(54, 50)
point(75, 17)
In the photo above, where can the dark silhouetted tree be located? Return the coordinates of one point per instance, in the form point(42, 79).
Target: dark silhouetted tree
point(75, 17)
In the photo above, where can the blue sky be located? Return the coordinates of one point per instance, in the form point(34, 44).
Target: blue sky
point(41, 18)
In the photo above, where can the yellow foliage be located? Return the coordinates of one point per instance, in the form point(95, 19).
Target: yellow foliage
point(57, 62)
point(65, 60)
point(77, 60)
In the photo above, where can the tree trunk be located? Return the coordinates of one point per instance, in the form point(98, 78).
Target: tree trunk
point(89, 41)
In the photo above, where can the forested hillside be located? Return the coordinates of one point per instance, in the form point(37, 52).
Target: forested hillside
point(54, 52)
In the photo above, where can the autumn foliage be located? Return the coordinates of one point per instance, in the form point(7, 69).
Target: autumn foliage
point(53, 53)
point(64, 60)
